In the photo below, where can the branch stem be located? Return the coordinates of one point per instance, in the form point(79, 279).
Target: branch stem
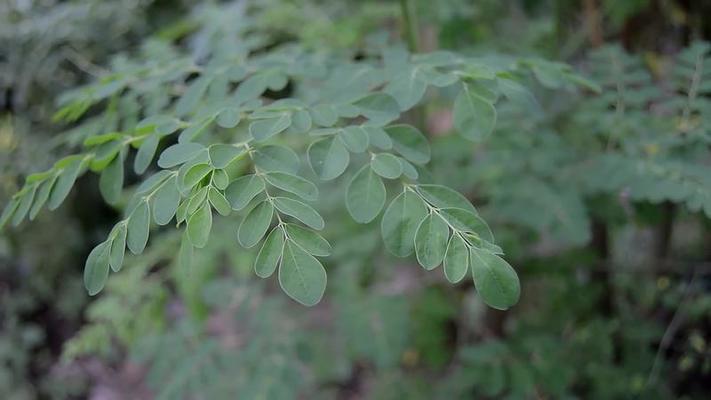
point(410, 27)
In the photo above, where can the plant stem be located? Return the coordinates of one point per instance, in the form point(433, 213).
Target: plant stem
point(410, 28)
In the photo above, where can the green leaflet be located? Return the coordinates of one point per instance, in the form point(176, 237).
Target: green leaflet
point(118, 247)
point(194, 130)
point(221, 155)
point(300, 122)
point(111, 180)
point(378, 138)
point(456, 259)
point(269, 255)
point(145, 154)
point(301, 276)
point(138, 228)
point(195, 91)
point(365, 195)
point(104, 154)
point(255, 224)
point(355, 138)
point(24, 206)
point(328, 158)
point(195, 174)
point(42, 196)
point(474, 116)
point(96, 269)
point(219, 202)
point(263, 129)
point(8, 211)
point(276, 158)
point(407, 87)
point(301, 211)
point(386, 165)
point(431, 241)
point(199, 226)
point(323, 115)
point(293, 184)
point(495, 280)
point(64, 182)
point(220, 179)
point(410, 143)
point(379, 108)
point(408, 169)
point(242, 190)
point(196, 200)
point(467, 221)
point(308, 240)
point(442, 196)
point(518, 94)
point(165, 202)
point(228, 117)
point(152, 181)
point(400, 223)
point(178, 154)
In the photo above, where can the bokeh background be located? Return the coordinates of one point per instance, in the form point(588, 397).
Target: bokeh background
point(601, 201)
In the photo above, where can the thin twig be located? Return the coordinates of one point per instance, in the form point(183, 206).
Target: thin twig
point(669, 333)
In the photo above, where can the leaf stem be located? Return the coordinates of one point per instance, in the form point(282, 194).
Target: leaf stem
point(410, 26)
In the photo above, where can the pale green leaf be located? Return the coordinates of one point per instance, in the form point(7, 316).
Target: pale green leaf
point(301, 276)
point(268, 257)
point(64, 183)
point(196, 174)
point(219, 202)
point(442, 196)
point(263, 129)
point(365, 195)
point(410, 143)
point(24, 207)
point(456, 259)
point(199, 226)
point(378, 138)
point(379, 108)
point(328, 158)
point(220, 179)
point(228, 117)
point(178, 154)
point(196, 200)
point(96, 269)
point(195, 91)
point(118, 247)
point(243, 189)
point(431, 241)
point(111, 181)
point(138, 228)
point(355, 138)
point(407, 87)
point(145, 154)
point(42, 196)
point(301, 211)
point(466, 221)
point(308, 240)
point(400, 223)
point(165, 202)
point(222, 155)
point(386, 165)
point(276, 158)
point(495, 280)
point(255, 224)
point(293, 184)
point(474, 116)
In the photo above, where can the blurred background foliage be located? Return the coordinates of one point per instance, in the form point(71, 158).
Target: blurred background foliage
point(602, 202)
